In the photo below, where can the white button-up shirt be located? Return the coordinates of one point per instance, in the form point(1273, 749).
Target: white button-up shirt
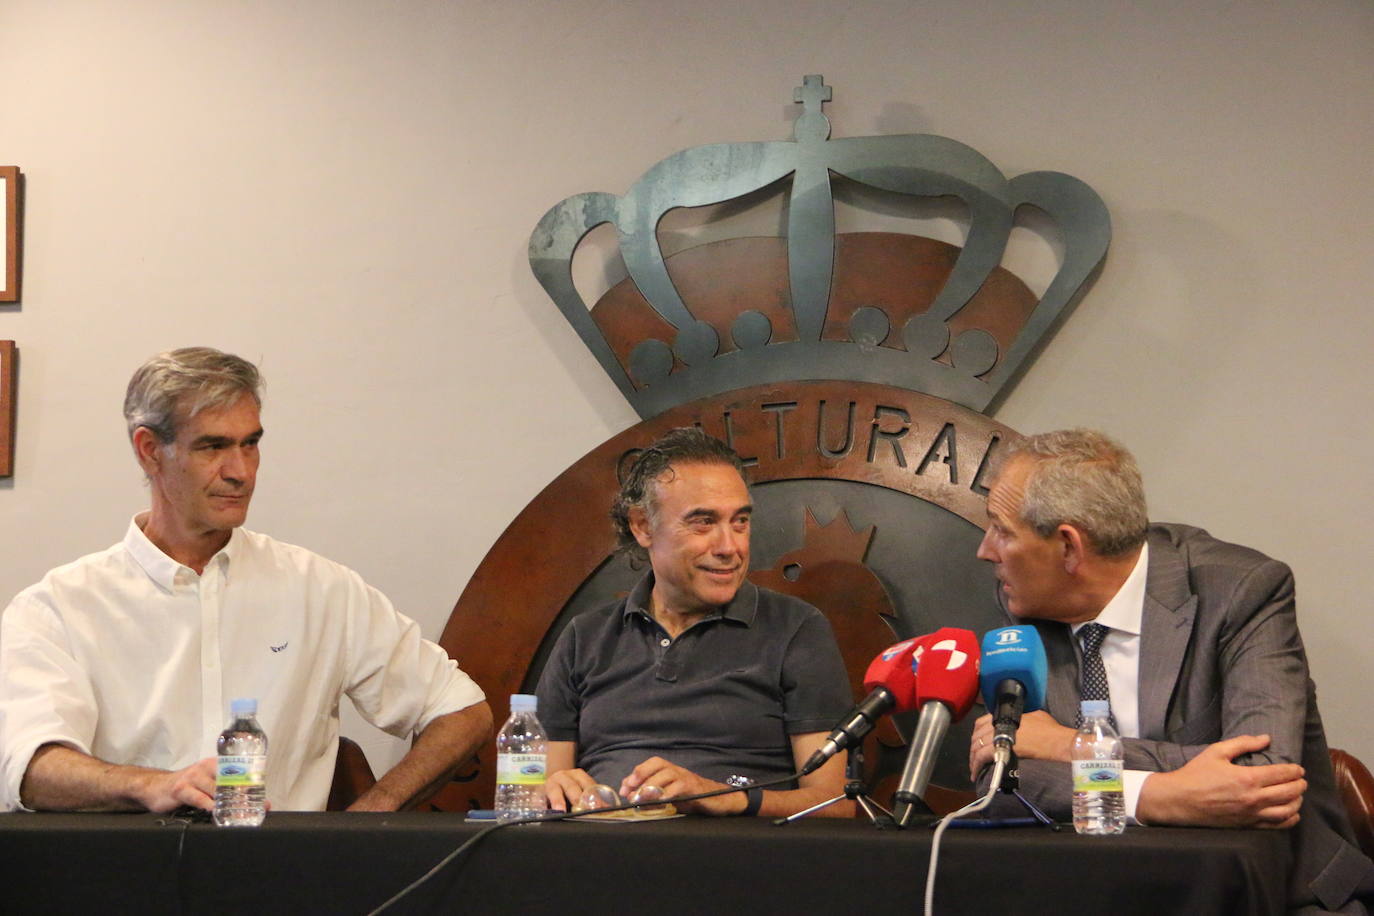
point(1121, 646)
point(1121, 660)
point(133, 658)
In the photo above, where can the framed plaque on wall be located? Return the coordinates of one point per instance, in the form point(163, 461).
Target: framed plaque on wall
point(7, 375)
point(9, 233)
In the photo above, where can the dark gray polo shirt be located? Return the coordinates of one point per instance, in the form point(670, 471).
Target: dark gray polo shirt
point(722, 699)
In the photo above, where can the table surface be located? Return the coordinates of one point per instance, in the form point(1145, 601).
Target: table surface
point(351, 863)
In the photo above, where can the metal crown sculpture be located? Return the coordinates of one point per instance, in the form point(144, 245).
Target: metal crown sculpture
point(968, 367)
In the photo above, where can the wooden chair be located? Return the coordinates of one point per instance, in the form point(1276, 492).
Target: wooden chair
point(352, 775)
point(1356, 787)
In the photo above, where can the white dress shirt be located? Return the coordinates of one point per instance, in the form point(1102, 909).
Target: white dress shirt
point(133, 658)
point(1120, 653)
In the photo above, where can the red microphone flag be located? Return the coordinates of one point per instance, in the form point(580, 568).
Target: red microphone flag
point(947, 670)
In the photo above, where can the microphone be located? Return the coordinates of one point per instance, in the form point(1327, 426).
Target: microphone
point(946, 684)
point(891, 683)
point(1014, 675)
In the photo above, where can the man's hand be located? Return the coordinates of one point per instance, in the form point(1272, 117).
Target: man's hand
point(194, 785)
point(565, 787)
point(1211, 791)
point(1040, 737)
point(677, 781)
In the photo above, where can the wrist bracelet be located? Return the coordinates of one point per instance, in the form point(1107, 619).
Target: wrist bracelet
point(754, 798)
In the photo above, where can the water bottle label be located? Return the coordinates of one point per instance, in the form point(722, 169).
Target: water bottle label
point(250, 770)
point(520, 769)
point(1098, 776)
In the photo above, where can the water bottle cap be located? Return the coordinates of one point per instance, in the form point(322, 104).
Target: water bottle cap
point(1096, 708)
point(244, 706)
point(524, 701)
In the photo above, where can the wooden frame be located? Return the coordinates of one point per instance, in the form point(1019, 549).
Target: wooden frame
point(7, 377)
point(9, 232)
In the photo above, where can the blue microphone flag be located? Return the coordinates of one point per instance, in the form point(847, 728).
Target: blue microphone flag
point(1016, 653)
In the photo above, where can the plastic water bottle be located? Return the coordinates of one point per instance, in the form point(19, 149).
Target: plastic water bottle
point(1099, 798)
point(522, 749)
point(240, 778)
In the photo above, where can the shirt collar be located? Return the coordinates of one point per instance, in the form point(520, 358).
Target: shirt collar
point(162, 569)
point(741, 608)
point(1127, 606)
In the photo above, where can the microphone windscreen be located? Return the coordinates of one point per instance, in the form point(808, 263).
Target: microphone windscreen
point(893, 669)
point(1016, 653)
point(947, 670)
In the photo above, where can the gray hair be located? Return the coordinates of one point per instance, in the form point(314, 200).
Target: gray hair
point(1083, 478)
point(173, 387)
point(639, 485)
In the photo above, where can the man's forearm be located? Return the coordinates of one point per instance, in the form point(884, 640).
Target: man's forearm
point(61, 779)
point(437, 753)
point(784, 802)
point(822, 785)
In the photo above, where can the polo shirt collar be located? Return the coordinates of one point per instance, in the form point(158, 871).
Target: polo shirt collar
point(162, 569)
point(741, 609)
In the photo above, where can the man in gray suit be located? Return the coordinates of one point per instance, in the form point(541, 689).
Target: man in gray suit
point(1195, 643)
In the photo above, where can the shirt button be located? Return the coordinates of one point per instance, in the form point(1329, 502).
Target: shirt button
point(664, 642)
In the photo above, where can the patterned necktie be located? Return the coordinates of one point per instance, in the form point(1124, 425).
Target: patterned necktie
point(1094, 685)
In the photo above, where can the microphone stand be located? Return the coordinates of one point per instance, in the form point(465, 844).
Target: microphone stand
point(1011, 785)
point(854, 790)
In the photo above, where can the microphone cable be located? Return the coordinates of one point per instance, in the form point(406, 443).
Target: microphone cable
point(999, 766)
point(183, 817)
point(549, 816)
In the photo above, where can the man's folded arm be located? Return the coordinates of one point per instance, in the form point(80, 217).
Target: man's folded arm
point(1208, 791)
point(438, 751)
point(1158, 756)
point(399, 680)
point(59, 778)
point(47, 721)
point(1213, 791)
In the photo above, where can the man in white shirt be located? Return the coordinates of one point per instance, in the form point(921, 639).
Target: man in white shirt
point(117, 670)
point(1193, 641)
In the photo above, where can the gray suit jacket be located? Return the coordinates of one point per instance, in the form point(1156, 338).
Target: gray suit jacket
point(1220, 656)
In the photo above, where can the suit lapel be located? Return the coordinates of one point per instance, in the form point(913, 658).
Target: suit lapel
point(1061, 687)
point(1165, 627)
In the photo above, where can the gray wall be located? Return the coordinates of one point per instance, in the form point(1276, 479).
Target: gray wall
point(343, 191)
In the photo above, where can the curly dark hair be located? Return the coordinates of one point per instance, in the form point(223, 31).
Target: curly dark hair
point(639, 486)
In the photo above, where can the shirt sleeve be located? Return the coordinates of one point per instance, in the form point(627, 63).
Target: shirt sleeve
point(815, 684)
point(1131, 782)
point(398, 680)
point(45, 696)
point(560, 699)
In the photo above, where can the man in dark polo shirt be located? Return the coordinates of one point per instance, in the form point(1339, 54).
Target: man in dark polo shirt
point(698, 679)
